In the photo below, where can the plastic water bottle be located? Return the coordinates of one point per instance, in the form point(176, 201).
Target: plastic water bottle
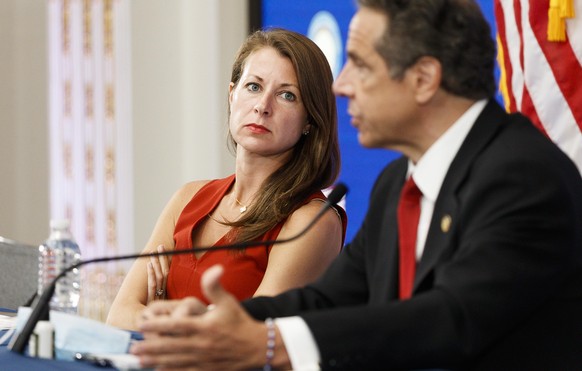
point(58, 252)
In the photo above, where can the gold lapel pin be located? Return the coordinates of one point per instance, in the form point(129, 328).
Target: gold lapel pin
point(446, 223)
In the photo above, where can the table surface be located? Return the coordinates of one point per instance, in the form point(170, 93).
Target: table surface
point(7, 312)
point(15, 362)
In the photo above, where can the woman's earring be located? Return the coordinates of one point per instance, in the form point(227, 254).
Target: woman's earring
point(305, 132)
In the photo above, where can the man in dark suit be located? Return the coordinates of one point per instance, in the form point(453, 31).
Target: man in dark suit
point(496, 276)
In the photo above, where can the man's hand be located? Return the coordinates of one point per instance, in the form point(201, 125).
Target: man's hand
point(184, 334)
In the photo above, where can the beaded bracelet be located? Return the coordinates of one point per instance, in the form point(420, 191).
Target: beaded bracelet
point(270, 344)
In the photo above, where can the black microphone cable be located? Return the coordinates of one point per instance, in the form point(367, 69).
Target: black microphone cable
point(41, 310)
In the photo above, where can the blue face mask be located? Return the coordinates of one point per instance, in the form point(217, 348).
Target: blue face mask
point(75, 334)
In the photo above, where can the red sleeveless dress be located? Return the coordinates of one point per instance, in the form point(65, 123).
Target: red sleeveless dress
point(243, 272)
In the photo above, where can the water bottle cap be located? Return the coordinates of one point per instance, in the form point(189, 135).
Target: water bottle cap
point(60, 224)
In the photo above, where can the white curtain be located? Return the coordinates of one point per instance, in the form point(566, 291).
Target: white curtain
point(90, 137)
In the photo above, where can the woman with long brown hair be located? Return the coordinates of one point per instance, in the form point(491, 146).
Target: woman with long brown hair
point(283, 130)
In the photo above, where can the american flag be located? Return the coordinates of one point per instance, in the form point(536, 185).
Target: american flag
point(540, 57)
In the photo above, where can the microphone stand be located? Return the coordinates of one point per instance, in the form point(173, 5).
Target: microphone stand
point(41, 310)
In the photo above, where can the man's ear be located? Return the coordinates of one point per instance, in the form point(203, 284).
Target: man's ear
point(426, 74)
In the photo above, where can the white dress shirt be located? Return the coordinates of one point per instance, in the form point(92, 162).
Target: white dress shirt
point(429, 173)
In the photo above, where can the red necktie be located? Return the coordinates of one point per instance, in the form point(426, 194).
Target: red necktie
point(408, 216)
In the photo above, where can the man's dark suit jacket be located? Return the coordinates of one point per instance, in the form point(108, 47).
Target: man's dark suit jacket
point(498, 289)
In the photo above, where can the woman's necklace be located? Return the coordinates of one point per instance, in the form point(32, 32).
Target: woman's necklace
point(242, 207)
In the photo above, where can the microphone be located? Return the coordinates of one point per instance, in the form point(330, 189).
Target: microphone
point(41, 310)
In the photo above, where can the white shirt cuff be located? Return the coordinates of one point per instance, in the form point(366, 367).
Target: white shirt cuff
point(300, 344)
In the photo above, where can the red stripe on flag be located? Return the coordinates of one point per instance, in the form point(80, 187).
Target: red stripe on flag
point(565, 67)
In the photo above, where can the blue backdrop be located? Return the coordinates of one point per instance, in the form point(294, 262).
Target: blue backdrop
point(360, 166)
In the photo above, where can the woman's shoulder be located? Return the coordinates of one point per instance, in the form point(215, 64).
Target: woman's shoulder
point(312, 207)
point(183, 195)
point(330, 223)
point(334, 216)
point(188, 190)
